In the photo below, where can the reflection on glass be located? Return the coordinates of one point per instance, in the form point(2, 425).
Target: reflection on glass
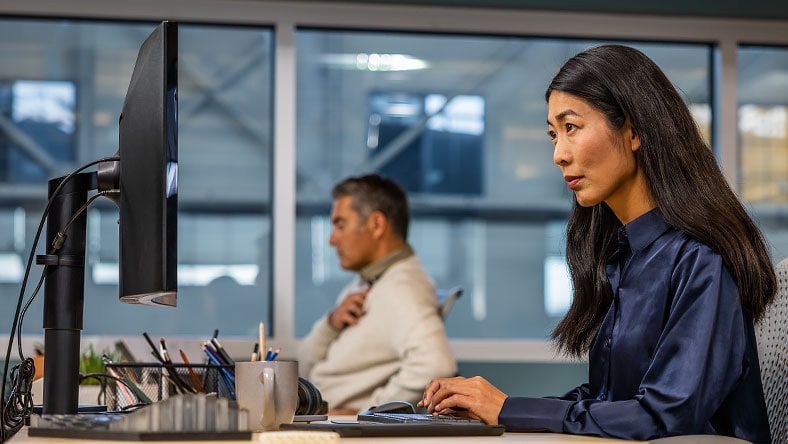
point(764, 153)
point(37, 118)
point(763, 140)
point(225, 138)
point(431, 143)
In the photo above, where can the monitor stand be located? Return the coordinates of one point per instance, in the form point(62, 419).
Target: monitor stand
point(64, 293)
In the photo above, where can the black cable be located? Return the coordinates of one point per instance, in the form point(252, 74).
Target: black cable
point(58, 243)
point(60, 237)
point(27, 305)
point(102, 377)
point(20, 400)
point(13, 413)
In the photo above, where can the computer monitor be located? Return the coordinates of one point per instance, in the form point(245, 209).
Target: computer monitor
point(148, 148)
point(143, 183)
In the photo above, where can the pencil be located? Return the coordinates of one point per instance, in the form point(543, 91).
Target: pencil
point(156, 352)
point(195, 379)
point(261, 341)
point(227, 378)
point(167, 361)
point(225, 357)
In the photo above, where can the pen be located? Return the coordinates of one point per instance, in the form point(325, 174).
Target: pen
point(229, 380)
point(215, 353)
point(138, 393)
point(163, 351)
point(275, 354)
point(221, 352)
point(165, 355)
point(156, 351)
point(256, 352)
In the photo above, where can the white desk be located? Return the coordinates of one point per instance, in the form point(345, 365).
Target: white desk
point(550, 438)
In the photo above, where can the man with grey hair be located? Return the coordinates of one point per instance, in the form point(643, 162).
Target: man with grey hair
point(384, 340)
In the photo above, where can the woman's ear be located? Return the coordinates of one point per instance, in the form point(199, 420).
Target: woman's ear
point(632, 136)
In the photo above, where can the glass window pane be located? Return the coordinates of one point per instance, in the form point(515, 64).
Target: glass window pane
point(763, 139)
point(59, 106)
point(459, 121)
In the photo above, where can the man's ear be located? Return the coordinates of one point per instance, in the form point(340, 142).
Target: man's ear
point(377, 224)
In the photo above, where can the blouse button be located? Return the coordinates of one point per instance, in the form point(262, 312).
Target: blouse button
point(602, 396)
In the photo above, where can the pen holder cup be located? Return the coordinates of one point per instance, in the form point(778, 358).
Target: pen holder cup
point(157, 382)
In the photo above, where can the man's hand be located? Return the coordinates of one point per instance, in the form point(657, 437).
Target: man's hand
point(349, 310)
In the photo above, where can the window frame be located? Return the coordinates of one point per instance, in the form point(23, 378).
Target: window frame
point(725, 35)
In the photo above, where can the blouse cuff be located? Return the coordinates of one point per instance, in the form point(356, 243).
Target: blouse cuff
point(534, 414)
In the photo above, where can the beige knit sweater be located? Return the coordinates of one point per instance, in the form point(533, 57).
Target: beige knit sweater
point(397, 347)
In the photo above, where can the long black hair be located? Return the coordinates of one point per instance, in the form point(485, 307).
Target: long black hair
point(681, 174)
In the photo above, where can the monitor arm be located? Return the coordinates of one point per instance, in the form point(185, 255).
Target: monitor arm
point(64, 293)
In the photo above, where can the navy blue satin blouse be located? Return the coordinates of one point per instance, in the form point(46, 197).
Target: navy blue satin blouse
point(674, 355)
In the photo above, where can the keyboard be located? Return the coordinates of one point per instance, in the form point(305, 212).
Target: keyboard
point(414, 418)
point(402, 424)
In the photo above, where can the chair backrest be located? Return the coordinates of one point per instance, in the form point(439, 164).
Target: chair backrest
point(446, 298)
point(772, 335)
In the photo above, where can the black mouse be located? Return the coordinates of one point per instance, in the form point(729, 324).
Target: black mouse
point(393, 407)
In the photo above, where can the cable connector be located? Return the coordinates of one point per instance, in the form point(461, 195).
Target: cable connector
point(60, 239)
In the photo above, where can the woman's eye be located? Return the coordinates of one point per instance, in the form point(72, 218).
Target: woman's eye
point(570, 126)
point(551, 134)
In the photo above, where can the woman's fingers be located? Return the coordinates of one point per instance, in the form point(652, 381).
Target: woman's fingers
point(476, 396)
point(433, 387)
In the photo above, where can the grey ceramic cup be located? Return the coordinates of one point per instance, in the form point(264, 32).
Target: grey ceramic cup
point(269, 391)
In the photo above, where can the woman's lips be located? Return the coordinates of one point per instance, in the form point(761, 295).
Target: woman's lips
point(571, 181)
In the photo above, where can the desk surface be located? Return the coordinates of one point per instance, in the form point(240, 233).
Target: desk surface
point(549, 438)
point(271, 438)
point(552, 438)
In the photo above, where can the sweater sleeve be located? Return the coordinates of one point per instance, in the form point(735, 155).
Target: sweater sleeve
point(315, 345)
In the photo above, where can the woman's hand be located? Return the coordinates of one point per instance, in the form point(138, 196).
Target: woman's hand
point(473, 397)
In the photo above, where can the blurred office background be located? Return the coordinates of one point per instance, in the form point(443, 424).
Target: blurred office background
point(280, 100)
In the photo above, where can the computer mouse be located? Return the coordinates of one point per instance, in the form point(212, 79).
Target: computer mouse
point(393, 407)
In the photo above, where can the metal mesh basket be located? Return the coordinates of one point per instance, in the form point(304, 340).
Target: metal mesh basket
point(158, 382)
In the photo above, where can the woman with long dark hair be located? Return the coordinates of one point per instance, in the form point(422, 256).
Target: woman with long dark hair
point(669, 270)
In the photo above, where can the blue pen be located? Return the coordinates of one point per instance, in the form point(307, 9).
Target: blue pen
point(274, 354)
point(216, 361)
point(229, 380)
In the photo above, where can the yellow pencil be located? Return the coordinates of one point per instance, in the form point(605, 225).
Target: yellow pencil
point(261, 342)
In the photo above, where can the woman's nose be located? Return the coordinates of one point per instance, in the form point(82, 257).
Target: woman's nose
point(560, 153)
